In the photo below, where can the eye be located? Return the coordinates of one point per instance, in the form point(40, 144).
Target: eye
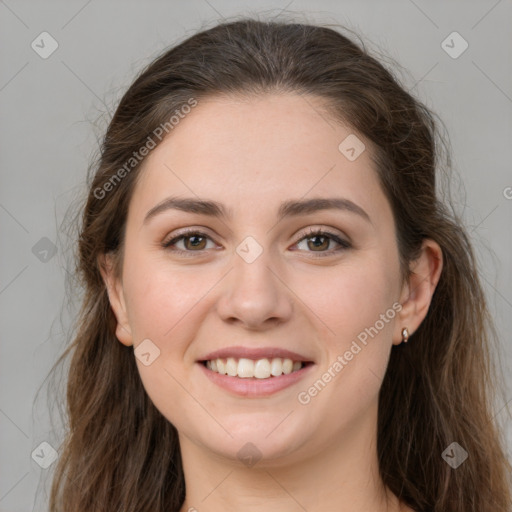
point(195, 241)
point(321, 239)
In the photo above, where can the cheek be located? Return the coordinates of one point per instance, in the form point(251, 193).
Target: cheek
point(160, 297)
point(350, 298)
point(163, 303)
point(356, 304)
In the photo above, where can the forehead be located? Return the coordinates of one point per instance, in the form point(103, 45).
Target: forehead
point(250, 153)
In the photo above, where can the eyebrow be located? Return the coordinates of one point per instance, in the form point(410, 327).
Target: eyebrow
point(289, 208)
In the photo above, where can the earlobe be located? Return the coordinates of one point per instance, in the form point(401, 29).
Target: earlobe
point(114, 289)
point(418, 291)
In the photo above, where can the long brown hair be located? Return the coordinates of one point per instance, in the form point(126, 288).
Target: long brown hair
point(120, 453)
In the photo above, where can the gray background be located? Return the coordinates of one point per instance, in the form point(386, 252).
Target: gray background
point(54, 109)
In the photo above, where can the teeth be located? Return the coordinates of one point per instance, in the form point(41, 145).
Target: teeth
point(245, 368)
point(287, 366)
point(231, 367)
point(276, 367)
point(261, 368)
point(248, 368)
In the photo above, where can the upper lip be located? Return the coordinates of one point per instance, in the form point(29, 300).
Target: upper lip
point(239, 352)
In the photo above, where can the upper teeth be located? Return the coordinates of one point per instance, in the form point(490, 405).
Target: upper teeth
point(247, 368)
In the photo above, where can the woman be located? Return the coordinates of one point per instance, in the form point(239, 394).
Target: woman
point(279, 312)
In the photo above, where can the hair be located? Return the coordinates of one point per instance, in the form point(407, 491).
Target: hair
point(120, 453)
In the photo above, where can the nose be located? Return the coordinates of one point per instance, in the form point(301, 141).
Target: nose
point(255, 295)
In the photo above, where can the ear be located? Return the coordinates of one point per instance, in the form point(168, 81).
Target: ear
point(417, 292)
point(116, 298)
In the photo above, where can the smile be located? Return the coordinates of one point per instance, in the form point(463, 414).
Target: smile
point(250, 385)
point(247, 368)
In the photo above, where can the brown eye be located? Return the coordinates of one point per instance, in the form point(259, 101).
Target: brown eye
point(318, 241)
point(193, 241)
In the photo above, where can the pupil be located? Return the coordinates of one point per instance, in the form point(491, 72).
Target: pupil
point(196, 243)
point(317, 237)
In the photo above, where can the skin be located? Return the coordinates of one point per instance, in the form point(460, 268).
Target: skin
point(250, 155)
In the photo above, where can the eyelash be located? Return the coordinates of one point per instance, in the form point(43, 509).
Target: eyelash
point(310, 234)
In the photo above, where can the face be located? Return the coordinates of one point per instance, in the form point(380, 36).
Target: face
point(260, 280)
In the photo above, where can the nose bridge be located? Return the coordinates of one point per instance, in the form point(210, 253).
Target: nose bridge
point(254, 294)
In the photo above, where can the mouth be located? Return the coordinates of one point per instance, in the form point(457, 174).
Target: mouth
point(245, 368)
point(254, 372)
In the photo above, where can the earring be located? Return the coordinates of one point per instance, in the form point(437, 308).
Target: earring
point(405, 335)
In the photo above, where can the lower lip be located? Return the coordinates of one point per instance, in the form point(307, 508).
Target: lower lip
point(253, 387)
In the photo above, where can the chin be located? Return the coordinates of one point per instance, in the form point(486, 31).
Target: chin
point(271, 443)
